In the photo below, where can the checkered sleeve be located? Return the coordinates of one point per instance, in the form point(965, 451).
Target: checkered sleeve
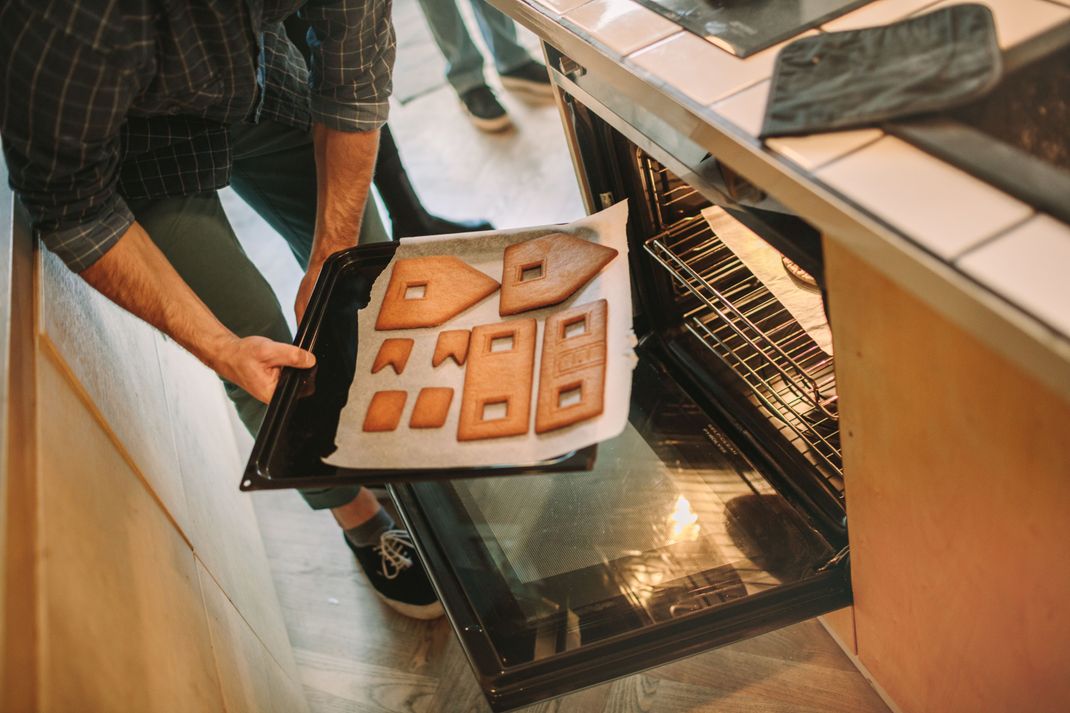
point(62, 102)
point(351, 43)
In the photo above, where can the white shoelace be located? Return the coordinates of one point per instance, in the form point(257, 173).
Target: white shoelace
point(391, 548)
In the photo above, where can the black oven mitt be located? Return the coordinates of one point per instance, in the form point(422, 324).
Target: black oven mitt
point(842, 80)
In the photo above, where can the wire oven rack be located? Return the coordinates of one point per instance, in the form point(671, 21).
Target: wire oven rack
point(789, 377)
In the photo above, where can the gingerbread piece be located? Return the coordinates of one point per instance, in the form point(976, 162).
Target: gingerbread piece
point(431, 408)
point(393, 352)
point(496, 400)
point(548, 270)
point(572, 376)
point(451, 343)
point(384, 411)
point(427, 291)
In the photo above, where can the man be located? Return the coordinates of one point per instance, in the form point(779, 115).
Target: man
point(121, 118)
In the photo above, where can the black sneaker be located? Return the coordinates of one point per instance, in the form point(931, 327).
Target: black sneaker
point(529, 78)
point(397, 576)
point(484, 110)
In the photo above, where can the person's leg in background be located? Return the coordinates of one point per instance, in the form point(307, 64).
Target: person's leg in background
point(408, 216)
point(517, 70)
point(464, 65)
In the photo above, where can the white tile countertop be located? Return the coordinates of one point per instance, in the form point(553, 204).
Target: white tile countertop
point(970, 247)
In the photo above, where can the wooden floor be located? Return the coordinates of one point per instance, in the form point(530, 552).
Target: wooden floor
point(357, 656)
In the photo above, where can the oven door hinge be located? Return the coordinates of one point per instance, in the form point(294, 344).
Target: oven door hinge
point(840, 556)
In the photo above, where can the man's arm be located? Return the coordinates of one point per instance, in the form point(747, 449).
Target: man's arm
point(345, 161)
point(351, 47)
point(135, 275)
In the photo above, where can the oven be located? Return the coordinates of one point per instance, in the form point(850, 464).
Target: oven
point(718, 514)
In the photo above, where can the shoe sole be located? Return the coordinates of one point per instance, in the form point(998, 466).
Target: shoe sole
point(489, 125)
point(423, 612)
point(536, 90)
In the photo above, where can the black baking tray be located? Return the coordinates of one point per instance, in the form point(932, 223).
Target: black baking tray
point(302, 418)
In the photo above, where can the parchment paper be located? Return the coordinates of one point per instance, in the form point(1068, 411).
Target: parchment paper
point(765, 262)
point(439, 448)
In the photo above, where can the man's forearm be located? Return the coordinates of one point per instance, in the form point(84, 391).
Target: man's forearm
point(138, 277)
point(345, 162)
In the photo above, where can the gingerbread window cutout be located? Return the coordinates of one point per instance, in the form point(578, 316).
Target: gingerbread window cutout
point(394, 353)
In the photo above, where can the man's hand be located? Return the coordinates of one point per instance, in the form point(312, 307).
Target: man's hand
point(255, 363)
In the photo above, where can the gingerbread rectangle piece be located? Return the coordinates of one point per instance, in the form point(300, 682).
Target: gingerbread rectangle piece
point(496, 400)
point(384, 411)
point(572, 376)
point(431, 408)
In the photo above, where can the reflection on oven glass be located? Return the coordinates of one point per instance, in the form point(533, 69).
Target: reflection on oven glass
point(672, 520)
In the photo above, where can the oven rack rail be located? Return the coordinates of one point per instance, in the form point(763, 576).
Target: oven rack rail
point(739, 320)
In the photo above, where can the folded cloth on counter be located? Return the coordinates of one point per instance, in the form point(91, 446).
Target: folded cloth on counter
point(842, 80)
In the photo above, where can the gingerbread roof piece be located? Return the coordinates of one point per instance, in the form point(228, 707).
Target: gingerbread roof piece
point(453, 343)
point(432, 407)
point(427, 291)
point(384, 411)
point(393, 352)
point(548, 270)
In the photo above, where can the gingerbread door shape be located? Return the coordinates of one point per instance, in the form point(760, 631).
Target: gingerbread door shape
point(496, 400)
point(548, 270)
point(572, 376)
point(427, 291)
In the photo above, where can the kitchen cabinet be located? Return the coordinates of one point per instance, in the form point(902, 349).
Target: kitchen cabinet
point(958, 490)
point(133, 574)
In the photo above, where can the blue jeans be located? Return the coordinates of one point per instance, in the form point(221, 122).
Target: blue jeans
point(464, 63)
point(275, 173)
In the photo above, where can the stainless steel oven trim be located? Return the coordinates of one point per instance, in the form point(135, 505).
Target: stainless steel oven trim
point(1003, 327)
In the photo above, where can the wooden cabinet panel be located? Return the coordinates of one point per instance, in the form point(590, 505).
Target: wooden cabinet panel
point(112, 354)
point(222, 522)
point(123, 624)
point(958, 490)
point(252, 680)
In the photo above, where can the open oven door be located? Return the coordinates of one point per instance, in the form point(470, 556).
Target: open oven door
point(674, 544)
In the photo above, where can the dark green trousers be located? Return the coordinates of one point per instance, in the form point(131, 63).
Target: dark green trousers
point(275, 173)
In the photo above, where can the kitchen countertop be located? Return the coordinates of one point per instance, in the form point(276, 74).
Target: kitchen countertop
point(989, 262)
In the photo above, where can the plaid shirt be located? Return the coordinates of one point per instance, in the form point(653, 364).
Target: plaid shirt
point(106, 100)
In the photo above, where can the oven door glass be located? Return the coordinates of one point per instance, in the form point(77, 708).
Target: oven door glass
point(673, 544)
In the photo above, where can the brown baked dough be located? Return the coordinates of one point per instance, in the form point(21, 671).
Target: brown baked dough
point(799, 275)
point(496, 400)
point(431, 408)
point(548, 270)
point(451, 343)
point(572, 376)
point(448, 285)
point(393, 352)
point(384, 411)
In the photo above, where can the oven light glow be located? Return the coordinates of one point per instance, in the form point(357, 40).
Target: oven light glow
point(684, 521)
